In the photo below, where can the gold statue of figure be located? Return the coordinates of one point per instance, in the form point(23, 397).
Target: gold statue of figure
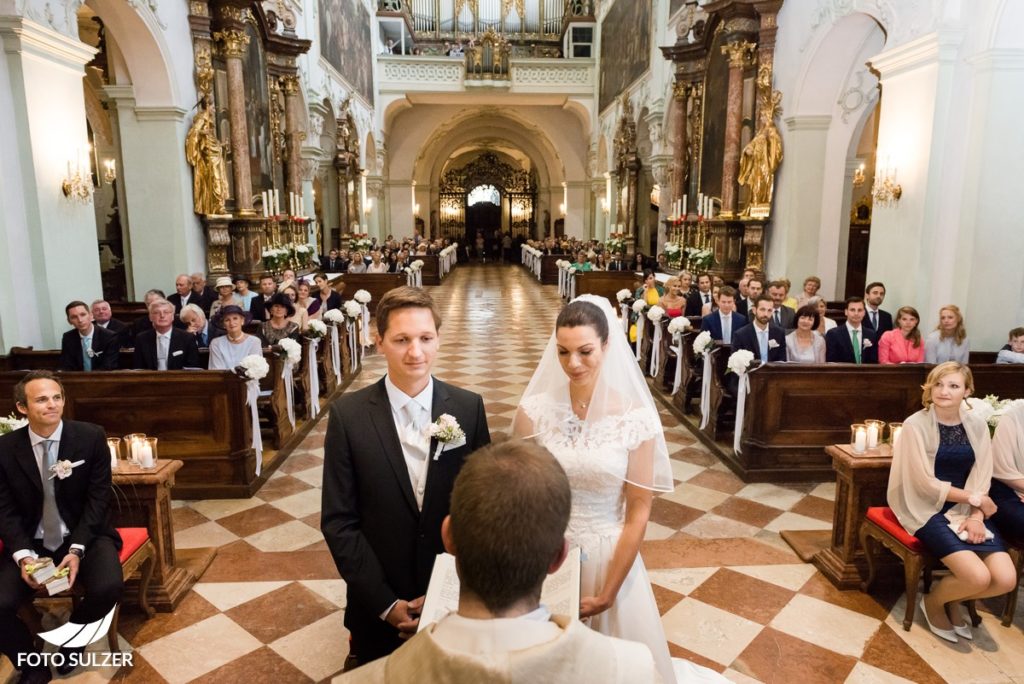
point(203, 152)
point(763, 154)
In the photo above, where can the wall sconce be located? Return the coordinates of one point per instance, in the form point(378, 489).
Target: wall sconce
point(858, 177)
point(886, 191)
point(77, 185)
point(109, 171)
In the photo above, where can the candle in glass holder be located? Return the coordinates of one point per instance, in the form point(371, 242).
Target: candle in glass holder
point(112, 443)
point(147, 453)
point(859, 437)
point(874, 432)
point(894, 433)
point(132, 443)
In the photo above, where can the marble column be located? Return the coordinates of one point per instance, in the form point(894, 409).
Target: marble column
point(600, 222)
point(234, 44)
point(739, 54)
point(343, 205)
point(294, 135)
point(681, 91)
point(768, 11)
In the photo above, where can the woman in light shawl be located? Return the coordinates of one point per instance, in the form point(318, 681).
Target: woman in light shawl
point(1008, 472)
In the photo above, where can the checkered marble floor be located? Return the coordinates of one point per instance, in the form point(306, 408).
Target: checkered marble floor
point(733, 596)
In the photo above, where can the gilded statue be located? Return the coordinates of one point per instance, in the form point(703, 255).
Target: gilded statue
point(203, 152)
point(763, 154)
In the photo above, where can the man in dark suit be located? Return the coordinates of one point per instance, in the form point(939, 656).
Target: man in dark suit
point(745, 306)
point(142, 323)
point(103, 318)
point(782, 316)
point(202, 294)
point(259, 306)
point(182, 294)
point(87, 347)
point(165, 347)
point(761, 337)
point(724, 322)
point(617, 264)
point(876, 319)
point(197, 325)
point(695, 301)
point(387, 483)
point(331, 263)
point(64, 517)
point(839, 341)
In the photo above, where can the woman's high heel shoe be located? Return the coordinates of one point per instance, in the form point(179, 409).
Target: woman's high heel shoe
point(947, 634)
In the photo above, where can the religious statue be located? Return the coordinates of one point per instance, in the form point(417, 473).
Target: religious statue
point(203, 153)
point(763, 154)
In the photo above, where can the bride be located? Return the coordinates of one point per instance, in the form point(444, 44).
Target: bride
point(589, 405)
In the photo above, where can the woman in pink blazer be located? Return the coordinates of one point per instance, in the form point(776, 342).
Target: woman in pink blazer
point(902, 344)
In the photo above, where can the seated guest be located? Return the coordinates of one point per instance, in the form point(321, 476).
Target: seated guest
point(741, 288)
point(327, 296)
point(617, 264)
point(306, 300)
point(686, 282)
point(227, 297)
point(600, 262)
point(258, 306)
point(639, 263)
point(376, 265)
point(227, 351)
point(941, 473)
point(876, 319)
point(509, 511)
point(102, 317)
point(805, 345)
point(755, 288)
point(280, 324)
point(243, 293)
point(331, 263)
point(786, 299)
point(1008, 473)
point(651, 291)
point(724, 322)
point(357, 264)
point(765, 340)
point(87, 347)
point(673, 301)
point(696, 300)
point(705, 309)
point(811, 286)
point(582, 263)
point(825, 323)
point(948, 342)
point(182, 293)
point(853, 342)
point(1015, 353)
point(204, 293)
point(902, 344)
point(164, 347)
point(142, 322)
point(68, 522)
point(782, 315)
point(662, 263)
point(196, 324)
point(301, 316)
point(288, 279)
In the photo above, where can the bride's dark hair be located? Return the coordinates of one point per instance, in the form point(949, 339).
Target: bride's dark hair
point(579, 314)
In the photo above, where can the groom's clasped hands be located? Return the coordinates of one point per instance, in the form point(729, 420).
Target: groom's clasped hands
point(405, 617)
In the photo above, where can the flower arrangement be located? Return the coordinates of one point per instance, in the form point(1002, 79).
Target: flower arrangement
point(11, 423)
point(702, 344)
point(291, 351)
point(992, 408)
point(739, 361)
point(615, 244)
point(623, 295)
point(275, 258)
point(416, 266)
point(334, 317)
point(673, 254)
point(352, 309)
point(679, 325)
point(655, 313)
point(360, 241)
point(253, 367)
point(639, 306)
point(362, 296)
point(699, 259)
point(572, 270)
point(315, 330)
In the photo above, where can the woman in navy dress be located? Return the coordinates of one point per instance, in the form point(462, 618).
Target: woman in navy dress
point(939, 481)
point(1008, 473)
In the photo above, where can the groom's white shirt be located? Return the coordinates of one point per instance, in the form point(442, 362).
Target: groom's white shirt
point(412, 416)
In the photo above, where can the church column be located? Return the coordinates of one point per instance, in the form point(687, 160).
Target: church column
point(662, 167)
point(681, 92)
point(739, 54)
point(767, 11)
point(597, 187)
point(294, 135)
point(234, 43)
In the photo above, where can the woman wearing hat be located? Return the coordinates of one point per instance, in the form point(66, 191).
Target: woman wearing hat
point(243, 293)
point(279, 326)
point(227, 351)
point(226, 289)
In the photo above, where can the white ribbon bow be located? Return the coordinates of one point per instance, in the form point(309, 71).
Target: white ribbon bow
point(656, 350)
point(366, 327)
point(741, 401)
point(336, 353)
point(288, 380)
point(314, 381)
point(705, 390)
point(353, 346)
point(252, 394)
point(561, 282)
point(625, 317)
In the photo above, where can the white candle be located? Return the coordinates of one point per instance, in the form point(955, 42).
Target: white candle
point(277, 202)
point(146, 456)
point(700, 203)
point(860, 440)
point(113, 457)
point(684, 205)
point(872, 436)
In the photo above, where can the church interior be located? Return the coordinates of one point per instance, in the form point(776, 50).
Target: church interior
point(508, 156)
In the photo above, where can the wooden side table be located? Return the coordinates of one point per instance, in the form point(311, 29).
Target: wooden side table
point(142, 498)
point(861, 481)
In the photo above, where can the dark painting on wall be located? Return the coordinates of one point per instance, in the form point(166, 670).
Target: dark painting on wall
point(625, 47)
point(257, 115)
point(346, 44)
point(716, 93)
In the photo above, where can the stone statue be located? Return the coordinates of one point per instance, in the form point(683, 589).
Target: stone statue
point(203, 153)
point(763, 154)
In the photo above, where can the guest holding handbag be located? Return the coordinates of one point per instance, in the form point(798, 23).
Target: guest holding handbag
point(902, 344)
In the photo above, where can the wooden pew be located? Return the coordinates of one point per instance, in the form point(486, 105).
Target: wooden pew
point(128, 312)
point(377, 284)
point(431, 268)
point(548, 269)
point(605, 284)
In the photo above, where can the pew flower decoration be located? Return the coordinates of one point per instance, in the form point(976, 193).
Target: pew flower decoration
point(639, 306)
point(447, 431)
point(416, 266)
point(572, 270)
point(352, 309)
point(315, 330)
point(739, 361)
point(334, 317)
point(679, 325)
point(623, 294)
point(362, 296)
point(702, 343)
point(656, 313)
point(291, 351)
point(253, 367)
point(11, 423)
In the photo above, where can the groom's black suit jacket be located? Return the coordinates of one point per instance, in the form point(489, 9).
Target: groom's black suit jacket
point(383, 545)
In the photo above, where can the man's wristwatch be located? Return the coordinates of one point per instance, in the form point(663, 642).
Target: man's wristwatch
point(975, 500)
point(77, 552)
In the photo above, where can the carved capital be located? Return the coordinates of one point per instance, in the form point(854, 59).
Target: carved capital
point(234, 14)
point(233, 42)
point(740, 53)
point(308, 169)
point(681, 90)
point(290, 85)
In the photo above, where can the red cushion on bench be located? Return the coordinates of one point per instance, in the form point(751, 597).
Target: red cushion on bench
point(886, 519)
point(132, 539)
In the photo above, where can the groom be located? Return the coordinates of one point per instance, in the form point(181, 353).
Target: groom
point(387, 483)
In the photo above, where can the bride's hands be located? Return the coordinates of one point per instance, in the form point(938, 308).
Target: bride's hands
point(593, 605)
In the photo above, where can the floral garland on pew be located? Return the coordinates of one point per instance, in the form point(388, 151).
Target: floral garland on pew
point(740, 362)
point(334, 318)
point(353, 313)
point(654, 315)
point(625, 298)
point(639, 307)
point(314, 332)
point(414, 274)
point(678, 327)
point(254, 368)
point(363, 298)
point(291, 353)
point(702, 347)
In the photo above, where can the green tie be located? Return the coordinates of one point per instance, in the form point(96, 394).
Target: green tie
point(856, 346)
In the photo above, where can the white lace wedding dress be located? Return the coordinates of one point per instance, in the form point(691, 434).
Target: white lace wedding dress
point(595, 458)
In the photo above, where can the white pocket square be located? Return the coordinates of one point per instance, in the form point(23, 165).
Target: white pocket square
point(772, 344)
point(178, 353)
point(454, 445)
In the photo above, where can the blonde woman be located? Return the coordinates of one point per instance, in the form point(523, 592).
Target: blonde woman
point(673, 301)
point(948, 342)
point(939, 490)
point(811, 286)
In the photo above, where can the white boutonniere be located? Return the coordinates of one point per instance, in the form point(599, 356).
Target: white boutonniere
point(62, 469)
point(92, 353)
point(447, 432)
point(865, 343)
point(772, 344)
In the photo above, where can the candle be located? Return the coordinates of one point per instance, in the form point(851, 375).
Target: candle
point(277, 202)
point(896, 433)
point(700, 203)
point(113, 456)
point(860, 440)
point(145, 455)
point(872, 436)
point(684, 205)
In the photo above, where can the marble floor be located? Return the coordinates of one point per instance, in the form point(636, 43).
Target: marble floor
point(733, 596)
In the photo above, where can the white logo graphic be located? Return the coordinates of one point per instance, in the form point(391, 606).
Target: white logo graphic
point(73, 635)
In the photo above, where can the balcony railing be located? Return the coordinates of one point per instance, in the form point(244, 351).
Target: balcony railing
point(398, 74)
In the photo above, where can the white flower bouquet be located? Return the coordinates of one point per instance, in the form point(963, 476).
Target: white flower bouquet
point(334, 317)
point(253, 367)
point(352, 309)
point(447, 431)
point(11, 423)
point(655, 313)
point(991, 408)
point(639, 306)
point(679, 325)
point(739, 361)
point(291, 351)
point(416, 266)
point(702, 343)
point(572, 270)
point(362, 296)
point(623, 294)
point(315, 330)
point(672, 249)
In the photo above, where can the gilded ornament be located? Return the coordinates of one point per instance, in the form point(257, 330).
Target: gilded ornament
point(204, 71)
point(740, 53)
point(763, 154)
point(233, 42)
point(203, 152)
